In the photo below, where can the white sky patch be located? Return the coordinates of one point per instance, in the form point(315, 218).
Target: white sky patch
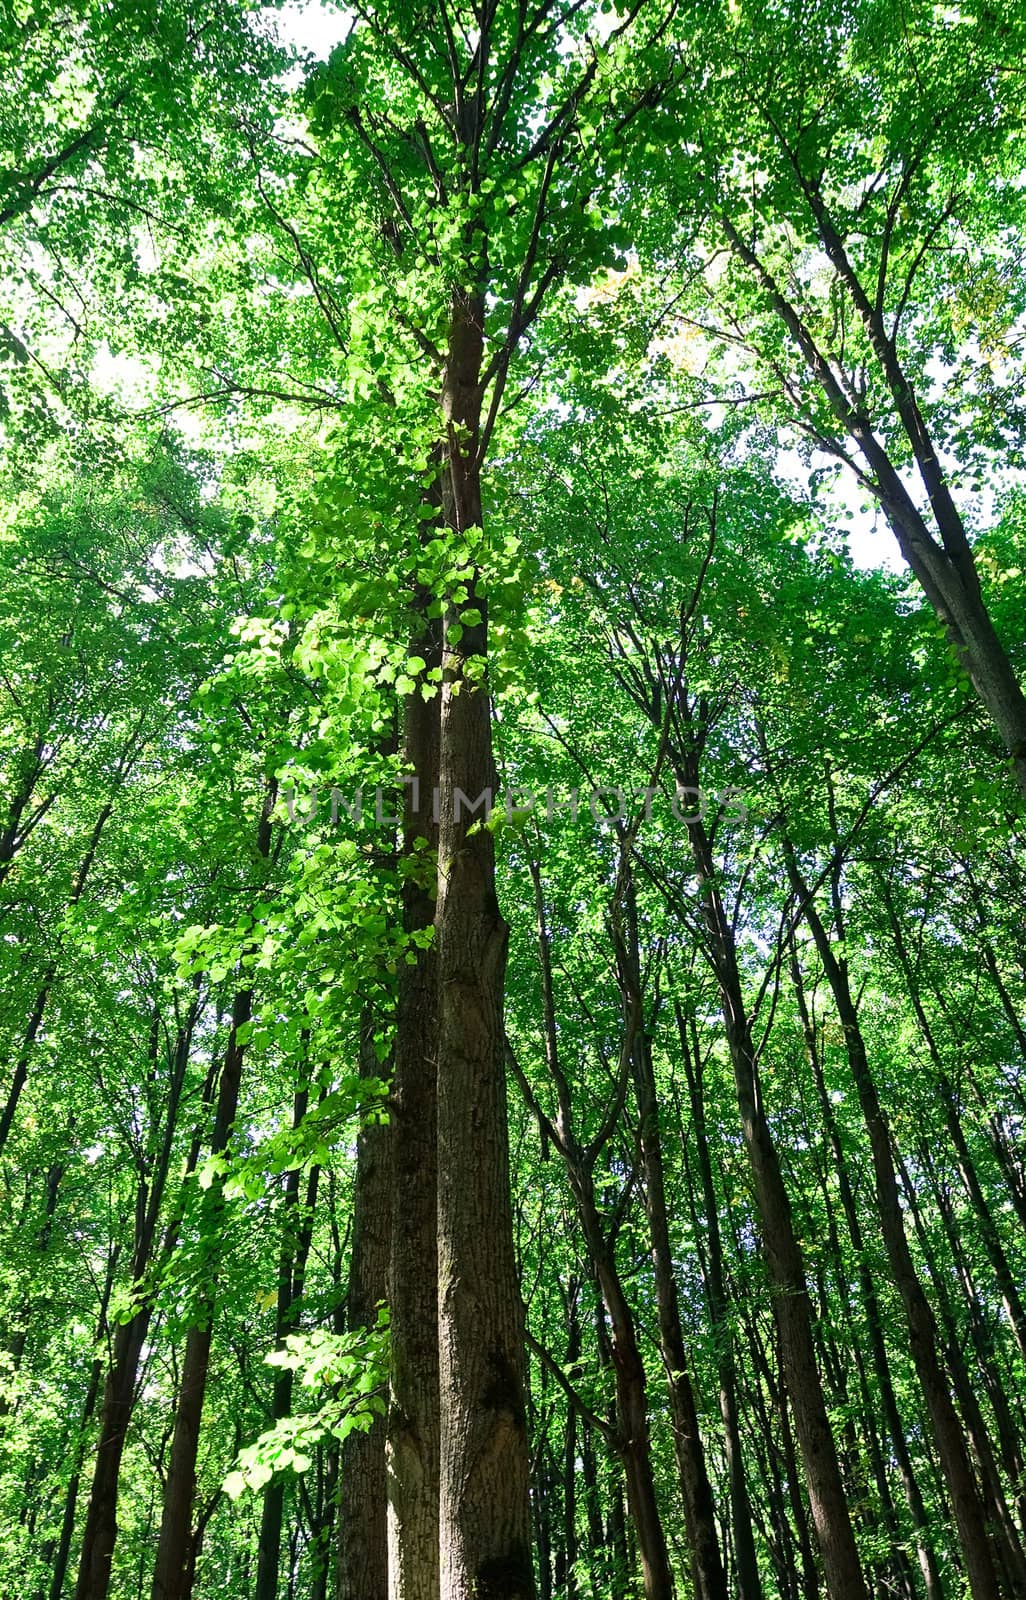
point(120, 374)
point(870, 541)
point(313, 27)
point(129, 379)
point(176, 560)
point(316, 27)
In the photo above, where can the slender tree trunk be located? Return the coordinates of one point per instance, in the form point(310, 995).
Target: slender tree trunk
point(871, 1306)
point(59, 1555)
point(568, 1551)
point(413, 1427)
point(749, 1585)
point(696, 1489)
point(1007, 1157)
point(119, 1394)
point(992, 1242)
point(710, 1580)
point(17, 1339)
point(784, 1472)
point(172, 1575)
point(683, 731)
point(1005, 1544)
point(1012, 1017)
point(21, 1067)
point(1006, 1434)
point(611, 1534)
point(297, 1235)
point(922, 1329)
point(593, 1499)
point(792, 1556)
point(631, 1431)
point(363, 1503)
point(799, 1517)
point(22, 816)
point(792, 1307)
point(545, 1515)
point(325, 1524)
point(325, 1548)
point(1004, 1277)
point(118, 1402)
point(21, 1070)
point(864, 1446)
point(946, 568)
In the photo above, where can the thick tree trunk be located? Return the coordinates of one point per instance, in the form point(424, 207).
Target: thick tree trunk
point(484, 1518)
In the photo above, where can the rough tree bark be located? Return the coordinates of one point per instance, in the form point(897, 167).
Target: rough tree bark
point(484, 1518)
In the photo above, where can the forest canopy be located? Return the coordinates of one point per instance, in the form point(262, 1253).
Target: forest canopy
point(512, 778)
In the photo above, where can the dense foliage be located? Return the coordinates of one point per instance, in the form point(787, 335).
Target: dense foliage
point(513, 753)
